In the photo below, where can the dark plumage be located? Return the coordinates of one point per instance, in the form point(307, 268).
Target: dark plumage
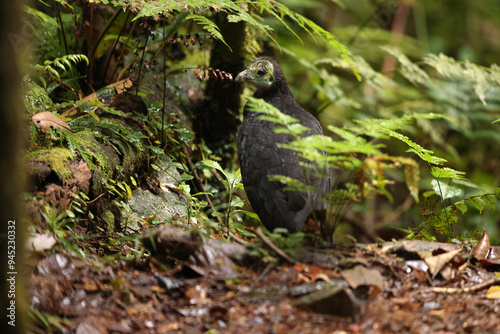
point(260, 156)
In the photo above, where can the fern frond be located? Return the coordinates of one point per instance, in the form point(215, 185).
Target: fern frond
point(482, 78)
point(62, 63)
point(330, 84)
point(409, 70)
point(424, 154)
point(314, 30)
point(209, 26)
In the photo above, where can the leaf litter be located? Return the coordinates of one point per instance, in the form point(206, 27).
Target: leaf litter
point(397, 287)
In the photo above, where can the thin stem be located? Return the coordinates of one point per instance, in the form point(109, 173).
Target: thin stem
point(164, 85)
point(142, 58)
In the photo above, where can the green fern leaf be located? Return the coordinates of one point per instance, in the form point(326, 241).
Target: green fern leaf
point(443, 220)
point(490, 200)
point(423, 153)
point(445, 191)
point(445, 172)
point(477, 203)
point(409, 70)
point(209, 26)
point(461, 206)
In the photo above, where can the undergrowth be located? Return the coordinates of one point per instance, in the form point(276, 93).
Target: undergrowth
point(409, 136)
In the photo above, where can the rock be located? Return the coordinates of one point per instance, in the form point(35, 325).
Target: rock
point(205, 256)
point(336, 299)
point(166, 204)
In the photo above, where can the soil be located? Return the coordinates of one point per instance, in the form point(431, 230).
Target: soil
point(390, 288)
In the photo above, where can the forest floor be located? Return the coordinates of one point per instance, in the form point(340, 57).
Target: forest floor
point(396, 287)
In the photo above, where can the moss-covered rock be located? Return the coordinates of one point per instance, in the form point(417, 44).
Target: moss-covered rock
point(55, 158)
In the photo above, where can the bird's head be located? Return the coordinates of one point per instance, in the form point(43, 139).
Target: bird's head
point(261, 73)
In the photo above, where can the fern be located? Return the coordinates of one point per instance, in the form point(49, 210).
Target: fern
point(208, 25)
point(280, 11)
point(409, 70)
point(441, 220)
point(330, 84)
point(352, 152)
point(61, 64)
point(237, 13)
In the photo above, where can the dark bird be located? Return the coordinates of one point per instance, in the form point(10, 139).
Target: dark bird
point(261, 157)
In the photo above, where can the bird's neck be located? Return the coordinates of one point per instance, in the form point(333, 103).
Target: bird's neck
point(278, 89)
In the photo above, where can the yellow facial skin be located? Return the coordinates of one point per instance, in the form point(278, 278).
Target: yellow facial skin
point(259, 73)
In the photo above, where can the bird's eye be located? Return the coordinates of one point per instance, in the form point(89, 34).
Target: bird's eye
point(261, 72)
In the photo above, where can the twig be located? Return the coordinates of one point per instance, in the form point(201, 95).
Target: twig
point(142, 59)
point(267, 270)
point(275, 248)
point(59, 20)
point(113, 47)
point(473, 288)
point(59, 81)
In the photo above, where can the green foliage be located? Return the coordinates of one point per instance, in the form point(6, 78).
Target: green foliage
point(279, 11)
point(84, 144)
point(429, 124)
point(237, 12)
point(60, 223)
point(208, 25)
point(270, 113)
point(231, 182)
point(36, 98)
point(56, 158)
point(63, 64)
point(352, 152)
point(55, 68)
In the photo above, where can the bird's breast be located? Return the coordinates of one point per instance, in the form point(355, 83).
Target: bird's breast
point(258, 147)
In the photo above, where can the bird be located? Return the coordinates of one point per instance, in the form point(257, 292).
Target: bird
point(260, 155)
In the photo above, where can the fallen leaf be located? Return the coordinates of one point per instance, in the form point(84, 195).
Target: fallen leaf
point(362, 276)
point(197, 295)
point(494, 252)
point(417, 265)
point(493, 292)
point(481, 249)
point(437, 263)
point(422, 248)
point(171, 326)
point(56, 264)
point(47, 120)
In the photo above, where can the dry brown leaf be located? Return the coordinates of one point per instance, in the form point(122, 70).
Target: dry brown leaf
point(420, 247)
point(119, 86)
point(436, 263)
point(360, 275)
point(494, 252)
point(47, 120)
point(481, 249)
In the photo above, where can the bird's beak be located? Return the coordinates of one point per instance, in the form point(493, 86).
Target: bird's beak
point(241, 77)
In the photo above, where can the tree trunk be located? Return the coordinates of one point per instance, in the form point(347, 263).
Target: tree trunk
point(217, 118)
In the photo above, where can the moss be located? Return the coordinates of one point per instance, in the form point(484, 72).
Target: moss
point(93, 153)
point(109, 219)
point(36, 98)
point(130, 149)
point(101, 161)
point(56, 158)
